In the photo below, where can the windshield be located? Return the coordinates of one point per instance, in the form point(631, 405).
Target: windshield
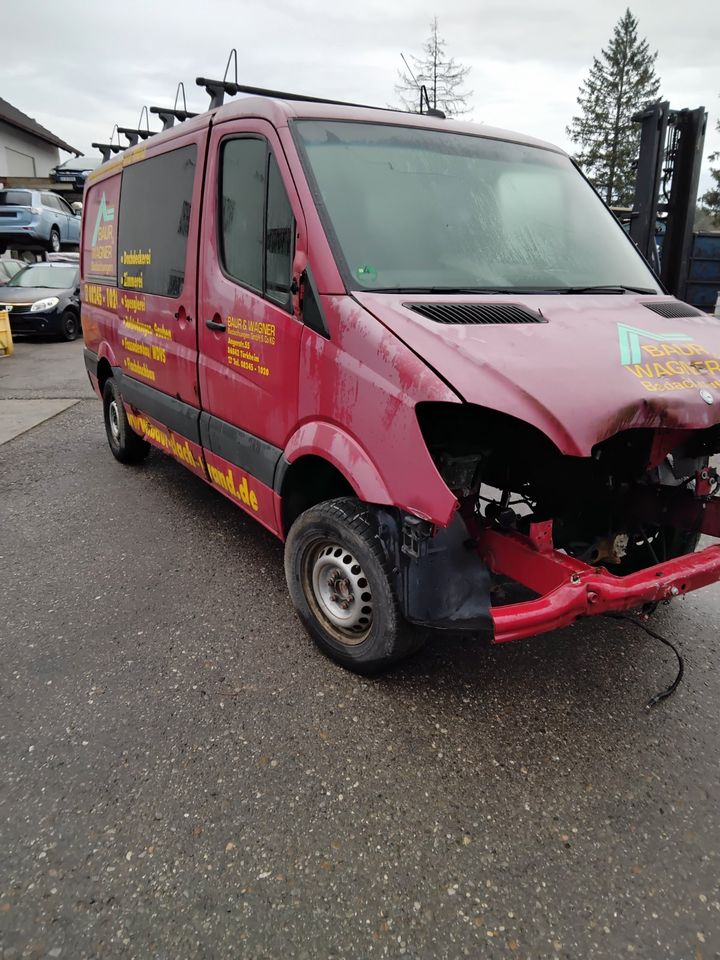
point(15, 198)
point(44, 275)
point(416, 209)
point(80, 163)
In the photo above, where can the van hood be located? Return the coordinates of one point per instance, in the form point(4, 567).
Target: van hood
point(594, 365)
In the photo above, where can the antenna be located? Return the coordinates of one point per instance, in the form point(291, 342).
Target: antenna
point(409, 70)
point(216, 89)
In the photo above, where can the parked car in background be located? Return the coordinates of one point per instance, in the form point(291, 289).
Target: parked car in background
point(67, 256)
point(75, 170)
point(8, 269)
point(44, 298)
point(37, 220)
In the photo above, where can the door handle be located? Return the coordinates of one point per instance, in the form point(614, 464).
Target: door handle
point(215, 325)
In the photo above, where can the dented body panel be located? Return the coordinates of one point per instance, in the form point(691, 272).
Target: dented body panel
point(601, 364)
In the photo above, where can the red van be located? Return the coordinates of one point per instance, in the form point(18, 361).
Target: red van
point(421, 352)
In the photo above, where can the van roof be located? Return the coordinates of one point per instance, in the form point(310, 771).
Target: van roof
point(279, 112)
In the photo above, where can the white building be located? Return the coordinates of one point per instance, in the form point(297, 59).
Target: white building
point(27, 149)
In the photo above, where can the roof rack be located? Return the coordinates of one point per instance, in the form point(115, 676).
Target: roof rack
point(106, 149)
point(169, 116)
point(425, 100)
point(284, 95)
point(216, 89)
point(133, 134)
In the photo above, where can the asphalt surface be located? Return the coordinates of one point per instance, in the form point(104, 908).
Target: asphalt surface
point(184, 775)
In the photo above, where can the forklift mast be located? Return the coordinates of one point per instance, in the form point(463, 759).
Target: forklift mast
point(666, 189)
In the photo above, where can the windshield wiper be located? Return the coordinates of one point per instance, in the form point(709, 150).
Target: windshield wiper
point(607, 288)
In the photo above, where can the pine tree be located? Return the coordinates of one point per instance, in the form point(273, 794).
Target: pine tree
point(621, 82)
point(712, 198)
point(441, 75)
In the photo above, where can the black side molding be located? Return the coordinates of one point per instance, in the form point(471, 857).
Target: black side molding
point(179, 416)
point(246, 451)
point(91, 361)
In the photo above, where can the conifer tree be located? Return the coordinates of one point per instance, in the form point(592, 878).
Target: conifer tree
point(712, 198)
point(442, 76)
point(621, 82)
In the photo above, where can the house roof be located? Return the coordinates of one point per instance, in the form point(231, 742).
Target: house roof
point(16, 118)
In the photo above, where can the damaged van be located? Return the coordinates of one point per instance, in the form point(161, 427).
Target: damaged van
point(419, 351)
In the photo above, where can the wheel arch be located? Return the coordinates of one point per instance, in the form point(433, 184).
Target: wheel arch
point(106, 362)
point(322, 462)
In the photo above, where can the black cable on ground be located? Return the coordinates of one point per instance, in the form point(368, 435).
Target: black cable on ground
point(668, 691)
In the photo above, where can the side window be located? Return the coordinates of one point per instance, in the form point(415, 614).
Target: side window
point(256, 220)
point(155, 205)
point(242, 205)
point(278, 238)
point(65, 206)
point(48, 200)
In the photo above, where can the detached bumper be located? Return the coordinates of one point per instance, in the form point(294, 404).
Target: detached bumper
point(570, 589)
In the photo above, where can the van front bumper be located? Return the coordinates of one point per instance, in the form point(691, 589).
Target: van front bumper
point(569, 589)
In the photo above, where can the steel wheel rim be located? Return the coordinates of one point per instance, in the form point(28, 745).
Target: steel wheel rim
point(70, 326)
point(339, 592)
point(55, 242)
point(114, 421)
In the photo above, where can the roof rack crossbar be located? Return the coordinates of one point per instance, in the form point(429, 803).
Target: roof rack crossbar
point(216, 90)
point(283, 95)
point(169, 116)
point(133, 135)
point(107, 148)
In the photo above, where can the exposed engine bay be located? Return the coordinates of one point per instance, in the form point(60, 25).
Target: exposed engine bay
point(637, 501)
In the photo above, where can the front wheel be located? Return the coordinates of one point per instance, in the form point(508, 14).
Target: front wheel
point(69, 325)
point(125, 445)
point(340, 582)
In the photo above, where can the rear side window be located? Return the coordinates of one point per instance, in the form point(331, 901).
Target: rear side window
point(155, 207)
point(256, 220)
point(15, 198)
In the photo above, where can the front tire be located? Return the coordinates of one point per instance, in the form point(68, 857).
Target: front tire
point(340, 580)
point(125, 445)
point(69, 326)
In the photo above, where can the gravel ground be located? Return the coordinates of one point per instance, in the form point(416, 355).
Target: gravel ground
point(184, 775)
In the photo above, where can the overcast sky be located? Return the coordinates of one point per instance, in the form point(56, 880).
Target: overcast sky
point(80, 67)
